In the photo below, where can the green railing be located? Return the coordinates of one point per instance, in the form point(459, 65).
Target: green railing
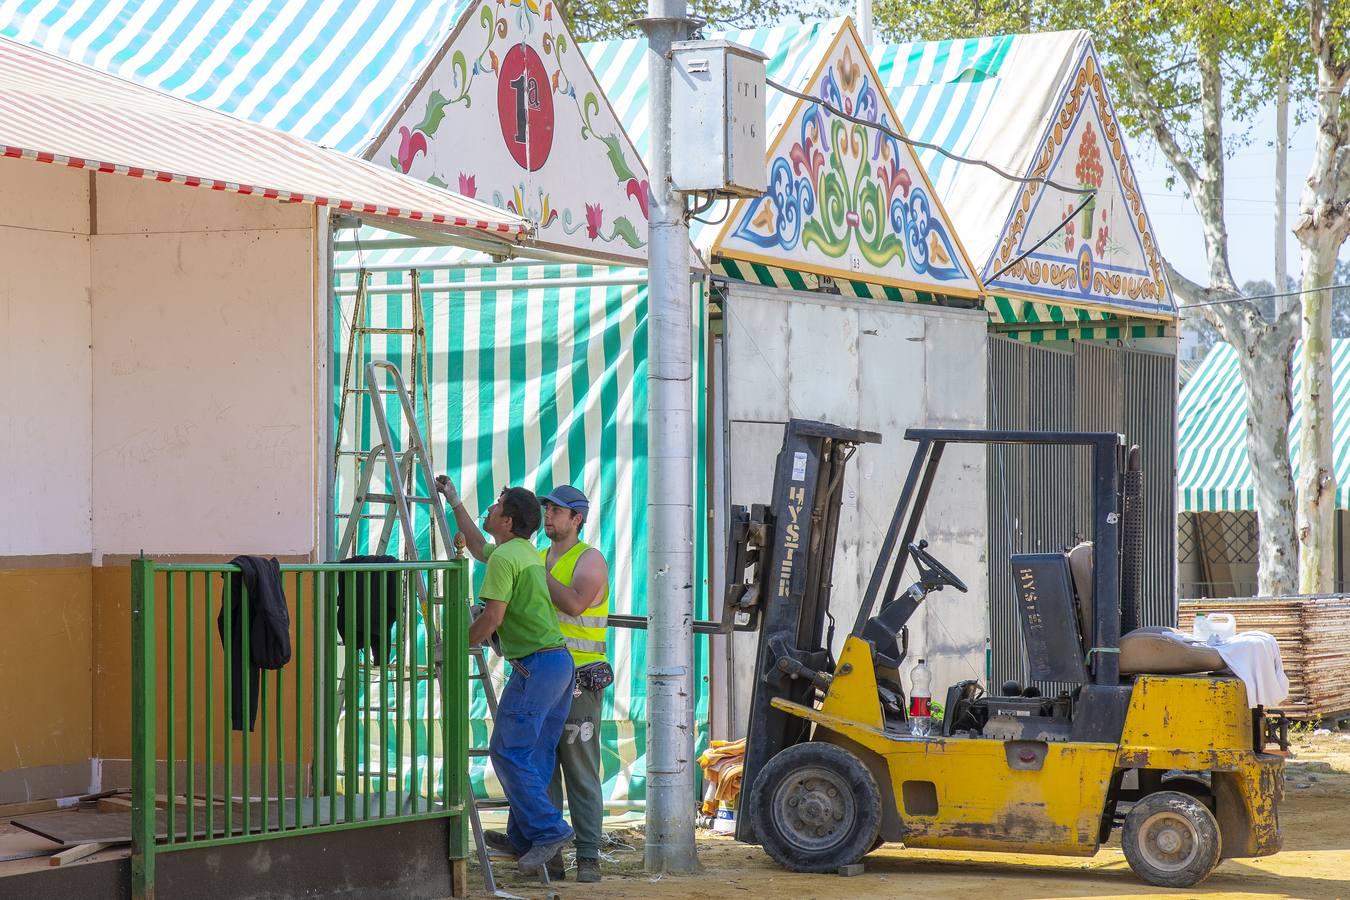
point(344, 736)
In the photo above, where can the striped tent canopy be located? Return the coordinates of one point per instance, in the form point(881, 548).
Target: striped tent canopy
point(1213, 471)
point(1021, 102)
point(331, 72)
point(992, 98)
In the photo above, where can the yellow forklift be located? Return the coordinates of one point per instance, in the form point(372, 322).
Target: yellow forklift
point(1140, 731)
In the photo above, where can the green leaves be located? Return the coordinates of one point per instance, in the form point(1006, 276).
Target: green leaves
point(624, 229)
point(435, 113)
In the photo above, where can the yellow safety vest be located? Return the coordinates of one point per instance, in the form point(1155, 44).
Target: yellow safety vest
point(586, 633)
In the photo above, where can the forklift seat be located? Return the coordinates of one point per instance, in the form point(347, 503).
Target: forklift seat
point(1151, 650)
point(1080, 567)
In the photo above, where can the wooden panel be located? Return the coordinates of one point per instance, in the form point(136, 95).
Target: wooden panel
point(1314, 638)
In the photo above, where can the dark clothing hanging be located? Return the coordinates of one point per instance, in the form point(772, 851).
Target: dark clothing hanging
point(384, 590)
point(269, 631)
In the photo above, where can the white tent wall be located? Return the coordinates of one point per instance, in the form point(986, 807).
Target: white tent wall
point(882, 367)
point(162, 354)
point(45, 443)
point(205, 373)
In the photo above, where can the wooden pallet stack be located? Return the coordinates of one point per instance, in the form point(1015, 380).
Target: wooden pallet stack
point(1314, 638)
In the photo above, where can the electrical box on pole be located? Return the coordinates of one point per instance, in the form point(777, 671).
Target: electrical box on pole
point(717, 102)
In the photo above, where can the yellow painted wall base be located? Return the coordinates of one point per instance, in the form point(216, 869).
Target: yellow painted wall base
point(46, 697)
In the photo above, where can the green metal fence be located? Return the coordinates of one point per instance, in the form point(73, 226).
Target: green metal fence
point(344, 736)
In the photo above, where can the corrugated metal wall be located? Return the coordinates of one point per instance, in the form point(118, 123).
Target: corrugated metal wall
point(1040, 497)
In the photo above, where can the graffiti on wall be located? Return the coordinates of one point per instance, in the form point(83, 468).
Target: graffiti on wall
point(1105, 252)
point(511, 114)
point(846, 199)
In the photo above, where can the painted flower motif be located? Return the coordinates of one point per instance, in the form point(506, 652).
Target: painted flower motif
point(1101, 240)
point(849, 71)
point(410, 144)
point(1068, 238)
point(639, 191)
point(468, 185)
point(594, 219)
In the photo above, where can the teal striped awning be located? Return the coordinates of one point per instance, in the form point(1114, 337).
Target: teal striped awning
point(1213, 471)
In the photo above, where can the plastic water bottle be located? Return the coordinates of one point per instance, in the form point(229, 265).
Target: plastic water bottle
point(921, 700)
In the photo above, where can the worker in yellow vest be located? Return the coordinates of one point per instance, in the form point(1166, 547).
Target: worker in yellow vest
point(578, 583)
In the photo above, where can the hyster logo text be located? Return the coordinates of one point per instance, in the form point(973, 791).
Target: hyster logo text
point(791, 539)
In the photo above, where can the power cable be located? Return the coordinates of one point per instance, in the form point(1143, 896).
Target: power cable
point(905, 139)
point(967, 160)
point(1294, 293)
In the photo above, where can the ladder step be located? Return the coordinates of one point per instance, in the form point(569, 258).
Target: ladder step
point(362, 516)
point(363, 329)
point(390, 498)
point(478, 751)
point(377, 390)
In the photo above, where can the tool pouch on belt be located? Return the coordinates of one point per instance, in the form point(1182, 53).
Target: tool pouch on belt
point(595, 676)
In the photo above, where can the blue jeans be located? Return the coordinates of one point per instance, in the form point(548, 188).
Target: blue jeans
point(530, 716)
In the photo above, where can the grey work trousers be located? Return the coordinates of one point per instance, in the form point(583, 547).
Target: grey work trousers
point(579, 766)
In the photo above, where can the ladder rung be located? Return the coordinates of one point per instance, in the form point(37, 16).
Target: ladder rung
point(478, 751)
point(362, 329)
point(363, 516)
point(390, 498)
point(360, 390)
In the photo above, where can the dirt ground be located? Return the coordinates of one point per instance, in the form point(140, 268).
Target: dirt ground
point(1315, 862)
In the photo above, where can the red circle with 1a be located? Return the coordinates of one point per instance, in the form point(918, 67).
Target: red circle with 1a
point(525, 107)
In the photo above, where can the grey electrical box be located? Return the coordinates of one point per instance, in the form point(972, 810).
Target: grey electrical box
point(717, 99)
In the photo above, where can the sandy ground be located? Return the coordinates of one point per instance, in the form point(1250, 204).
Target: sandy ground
point(1315, 818)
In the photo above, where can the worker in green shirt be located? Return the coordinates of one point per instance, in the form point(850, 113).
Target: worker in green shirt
point(534, 705)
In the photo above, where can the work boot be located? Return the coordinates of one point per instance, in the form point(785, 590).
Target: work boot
point(557, 867)
point(498, 842)
point(538, 856)
point(588, 870)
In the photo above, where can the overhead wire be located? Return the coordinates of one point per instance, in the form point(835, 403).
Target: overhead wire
point(1275, 296)
point(966, 160)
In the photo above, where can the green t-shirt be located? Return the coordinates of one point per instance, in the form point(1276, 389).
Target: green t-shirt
point(515, 576)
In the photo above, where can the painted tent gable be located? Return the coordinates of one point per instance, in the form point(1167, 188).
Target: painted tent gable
point(1106, 256)
point(510, 112)
point(845, 200)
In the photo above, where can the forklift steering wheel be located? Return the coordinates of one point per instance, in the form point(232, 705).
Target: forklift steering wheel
point(924, 559)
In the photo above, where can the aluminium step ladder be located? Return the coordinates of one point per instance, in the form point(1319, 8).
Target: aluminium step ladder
point(351, 409)
point(401, 469)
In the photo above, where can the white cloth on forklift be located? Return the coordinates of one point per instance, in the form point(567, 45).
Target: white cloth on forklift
point(1254, 656)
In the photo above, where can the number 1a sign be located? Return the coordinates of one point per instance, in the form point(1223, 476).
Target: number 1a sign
point(525, 107)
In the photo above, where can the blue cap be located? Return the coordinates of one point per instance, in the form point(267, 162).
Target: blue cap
point(569, 497)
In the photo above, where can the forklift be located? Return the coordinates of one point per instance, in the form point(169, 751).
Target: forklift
point(1143, 733)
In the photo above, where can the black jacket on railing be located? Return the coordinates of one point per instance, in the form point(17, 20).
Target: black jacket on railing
point(269, 638)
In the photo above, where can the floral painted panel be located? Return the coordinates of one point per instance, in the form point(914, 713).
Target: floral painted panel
point(845, 199)
point(1106, 254)
point(511, 114)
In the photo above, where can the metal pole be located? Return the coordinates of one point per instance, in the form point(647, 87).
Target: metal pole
point(864, 11)
point(670, 513)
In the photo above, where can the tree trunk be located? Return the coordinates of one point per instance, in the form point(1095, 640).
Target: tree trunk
point(1322, 227)
point(1264, 361)
point(1316, 470)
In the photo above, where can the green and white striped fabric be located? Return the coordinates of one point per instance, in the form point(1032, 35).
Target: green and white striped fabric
point(538, 378)
point(1030, 321)
point(1213, 471)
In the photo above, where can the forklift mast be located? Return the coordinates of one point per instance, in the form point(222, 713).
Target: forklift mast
point(790, 549)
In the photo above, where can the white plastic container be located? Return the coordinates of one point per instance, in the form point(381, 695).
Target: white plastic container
point(1200, 628)
point(1222, 628)
point(725, 821)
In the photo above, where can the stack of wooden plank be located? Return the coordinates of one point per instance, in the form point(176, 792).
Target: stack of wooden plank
point(1314, 638)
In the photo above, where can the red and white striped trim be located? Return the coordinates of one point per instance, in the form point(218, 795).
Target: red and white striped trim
point(84, 119)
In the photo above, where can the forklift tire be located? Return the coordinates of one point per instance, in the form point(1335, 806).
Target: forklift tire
point(1171, 839)
point(815, 808)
